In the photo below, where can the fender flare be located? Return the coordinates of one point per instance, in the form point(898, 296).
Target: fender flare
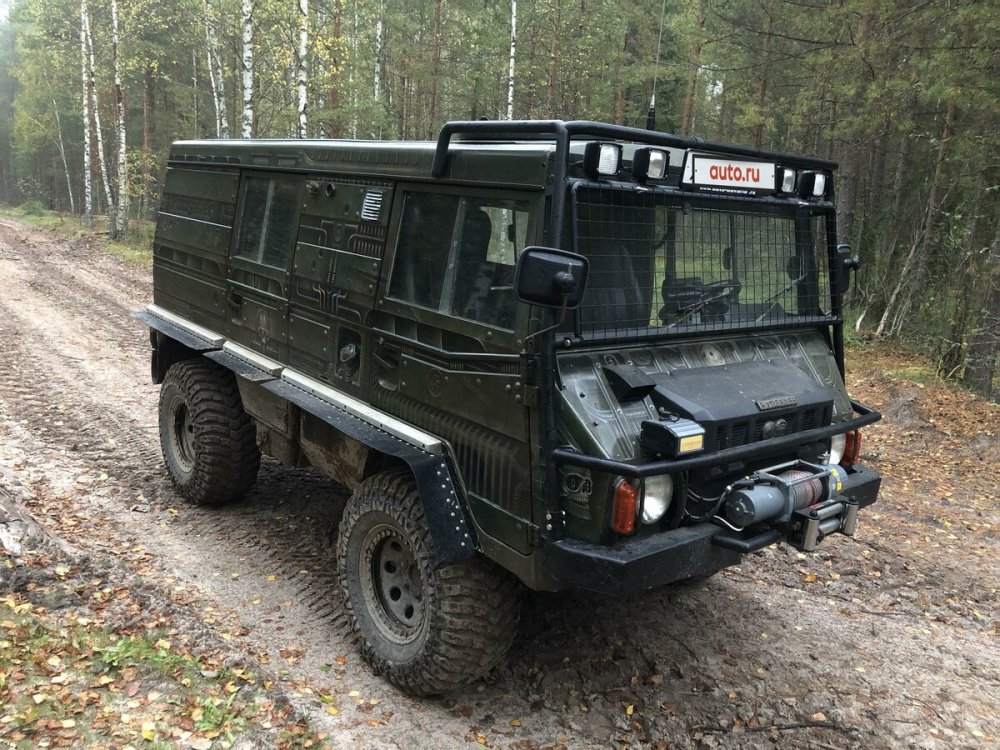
point(430, 459)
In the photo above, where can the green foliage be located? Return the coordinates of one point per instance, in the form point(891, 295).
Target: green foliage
point(31, 208)
point(867, 83)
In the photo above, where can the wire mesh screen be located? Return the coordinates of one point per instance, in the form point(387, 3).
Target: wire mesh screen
point(660, 264)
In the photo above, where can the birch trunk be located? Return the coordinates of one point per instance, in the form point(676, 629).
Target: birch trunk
point(121, 210)
point(215, 74)
point(378, 55)
point(62, 155)
point(88, 205)
point(98, 130)
point(350, 75)
point(246, 118)
point(510, 67)
point(303, 71)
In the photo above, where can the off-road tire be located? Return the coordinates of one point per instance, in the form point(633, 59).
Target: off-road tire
point(209, 443)
point(466, 613)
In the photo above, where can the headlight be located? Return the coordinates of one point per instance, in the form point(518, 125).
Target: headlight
point(837, 445)
point(659, 493)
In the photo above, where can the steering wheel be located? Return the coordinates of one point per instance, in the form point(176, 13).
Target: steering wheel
point(717, 287)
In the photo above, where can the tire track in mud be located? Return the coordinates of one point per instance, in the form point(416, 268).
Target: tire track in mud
point(43, 382)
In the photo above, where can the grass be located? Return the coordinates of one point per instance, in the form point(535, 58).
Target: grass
point(137, 245)
point(33, 214)
point(919, 373)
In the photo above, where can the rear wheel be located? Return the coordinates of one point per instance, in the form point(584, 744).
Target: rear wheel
point(208, 441)
point(426, 628)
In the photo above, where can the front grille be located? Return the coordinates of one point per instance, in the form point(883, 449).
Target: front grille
point(735, 433)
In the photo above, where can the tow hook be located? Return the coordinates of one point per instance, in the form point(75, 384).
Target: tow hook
point(799, 500)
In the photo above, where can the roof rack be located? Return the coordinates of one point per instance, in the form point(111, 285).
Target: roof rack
point(562, 131)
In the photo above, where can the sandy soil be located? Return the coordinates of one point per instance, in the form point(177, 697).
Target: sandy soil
point(888, 639)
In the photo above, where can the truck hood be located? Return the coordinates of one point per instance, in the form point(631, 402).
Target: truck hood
point(731, 386)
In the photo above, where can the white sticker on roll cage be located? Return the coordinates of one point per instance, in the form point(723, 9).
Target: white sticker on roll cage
point(704, 170)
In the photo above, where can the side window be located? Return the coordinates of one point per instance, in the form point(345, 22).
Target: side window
point(456, 254)
point(267, 231)
point(422, 251)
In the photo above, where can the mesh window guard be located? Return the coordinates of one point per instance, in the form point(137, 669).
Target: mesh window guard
point(662, 263)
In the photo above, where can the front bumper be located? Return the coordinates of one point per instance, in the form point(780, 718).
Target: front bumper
point(686, 552)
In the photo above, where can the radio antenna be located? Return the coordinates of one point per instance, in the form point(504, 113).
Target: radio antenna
point(651, 114)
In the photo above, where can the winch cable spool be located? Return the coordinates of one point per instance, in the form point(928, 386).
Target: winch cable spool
point(770, 497)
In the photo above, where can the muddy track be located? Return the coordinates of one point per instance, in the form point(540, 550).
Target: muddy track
point(755, 656)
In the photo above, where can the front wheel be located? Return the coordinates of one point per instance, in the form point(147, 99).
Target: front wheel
point(428, 629)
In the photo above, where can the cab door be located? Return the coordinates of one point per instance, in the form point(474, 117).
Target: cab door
point(448, 331)
point(259, 270)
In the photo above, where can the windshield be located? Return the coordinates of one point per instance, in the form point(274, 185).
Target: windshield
point(660, 262)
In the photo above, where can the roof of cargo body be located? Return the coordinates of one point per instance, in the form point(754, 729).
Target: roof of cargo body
point(518, 163)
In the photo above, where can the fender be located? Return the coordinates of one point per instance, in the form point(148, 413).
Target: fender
point(429, 458)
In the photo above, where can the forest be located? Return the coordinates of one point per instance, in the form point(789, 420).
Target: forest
point(904, 94)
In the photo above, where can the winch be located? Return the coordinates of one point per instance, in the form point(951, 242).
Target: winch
point(799, 497)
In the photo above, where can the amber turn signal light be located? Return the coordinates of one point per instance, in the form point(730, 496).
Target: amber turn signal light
point(626, 508)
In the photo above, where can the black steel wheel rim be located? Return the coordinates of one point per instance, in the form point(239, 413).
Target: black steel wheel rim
point(392, 584)
point(181, 434)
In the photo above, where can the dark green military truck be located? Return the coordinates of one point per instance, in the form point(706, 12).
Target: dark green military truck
point(557, 354)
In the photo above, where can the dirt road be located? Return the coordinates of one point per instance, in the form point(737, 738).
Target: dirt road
point(885, 640)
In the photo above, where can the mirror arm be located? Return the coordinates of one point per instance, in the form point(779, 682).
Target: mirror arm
point(562, 319)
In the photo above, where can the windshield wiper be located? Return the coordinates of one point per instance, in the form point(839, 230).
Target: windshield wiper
point(773, 299)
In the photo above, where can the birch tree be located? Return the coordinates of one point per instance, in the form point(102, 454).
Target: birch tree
point(378, 52)
point(95, 108)
point(120, 223)
point(303, 71)
point(247, 117)
point(217, 78)
point(510, 66)
point(88, 205)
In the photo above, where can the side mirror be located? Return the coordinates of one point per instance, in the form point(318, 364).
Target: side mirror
point(845, 264)
point(549, 277)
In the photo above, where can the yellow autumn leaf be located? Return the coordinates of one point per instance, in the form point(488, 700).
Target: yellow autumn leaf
point(148, 731)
